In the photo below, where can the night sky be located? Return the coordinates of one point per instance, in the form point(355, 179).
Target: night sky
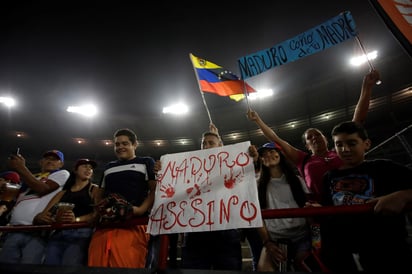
point(133, 59)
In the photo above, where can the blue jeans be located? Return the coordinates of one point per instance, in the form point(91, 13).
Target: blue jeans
point(68, 247)
point(23, 248)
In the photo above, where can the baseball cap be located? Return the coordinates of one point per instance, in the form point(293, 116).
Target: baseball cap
point(271, 145)
point(14, 177)
point(55, 152)
point(85, 161)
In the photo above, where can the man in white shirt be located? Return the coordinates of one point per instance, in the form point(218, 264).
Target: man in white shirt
point(38, 189)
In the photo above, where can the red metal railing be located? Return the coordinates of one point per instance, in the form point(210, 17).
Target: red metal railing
point(266, 214)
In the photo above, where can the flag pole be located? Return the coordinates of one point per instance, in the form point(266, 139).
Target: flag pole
point(200, 89)
point(204, 103)
point(245, 92)
point(371, 67)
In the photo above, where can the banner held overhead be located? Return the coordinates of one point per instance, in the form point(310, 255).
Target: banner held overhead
point(326, 35)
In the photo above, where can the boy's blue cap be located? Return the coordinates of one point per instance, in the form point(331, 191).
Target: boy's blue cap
point(55, 152)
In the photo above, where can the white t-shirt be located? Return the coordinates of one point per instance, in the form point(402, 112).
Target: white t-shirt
point(279, 195)
point(29, 204)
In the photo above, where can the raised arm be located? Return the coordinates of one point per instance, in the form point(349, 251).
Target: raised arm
point(18, 163)
point(215, 130)
point(290, 151)
point(362, 106)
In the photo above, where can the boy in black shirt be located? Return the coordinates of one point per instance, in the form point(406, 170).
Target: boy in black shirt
point(379, 240)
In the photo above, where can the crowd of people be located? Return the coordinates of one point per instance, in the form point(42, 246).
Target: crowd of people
point(287, 177)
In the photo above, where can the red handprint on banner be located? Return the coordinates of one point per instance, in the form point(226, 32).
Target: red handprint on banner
point(168, 190)
point(231, 181)
point(197, 190)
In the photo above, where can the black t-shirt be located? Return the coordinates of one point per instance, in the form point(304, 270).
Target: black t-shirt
point(81, 199)
point(379, 240)
point(129, 178)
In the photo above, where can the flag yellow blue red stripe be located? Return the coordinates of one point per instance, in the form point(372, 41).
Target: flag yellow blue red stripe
point(218, 80)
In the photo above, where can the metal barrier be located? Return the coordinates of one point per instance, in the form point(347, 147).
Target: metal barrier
point(266, 214)
point(164, 241)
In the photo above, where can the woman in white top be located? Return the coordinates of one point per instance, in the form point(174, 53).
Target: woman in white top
point(279, 186)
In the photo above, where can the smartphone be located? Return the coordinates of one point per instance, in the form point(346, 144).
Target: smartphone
point(18, 151)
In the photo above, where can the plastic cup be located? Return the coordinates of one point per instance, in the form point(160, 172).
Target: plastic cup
point(62, 208)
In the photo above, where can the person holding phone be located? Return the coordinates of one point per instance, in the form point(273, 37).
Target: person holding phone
point(27, 247)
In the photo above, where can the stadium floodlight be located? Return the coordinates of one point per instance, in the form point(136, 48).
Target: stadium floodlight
point(359, 60)
point(85, 110)
point(7, 101)
point(177, 109)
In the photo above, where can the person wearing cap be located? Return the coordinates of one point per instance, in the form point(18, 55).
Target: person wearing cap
point(8, 177)
point(69, 246)
point(319, 159)
point(125, 244)
point(27, 247)
point(313, 164)
point(6, 203)
point(279, 186)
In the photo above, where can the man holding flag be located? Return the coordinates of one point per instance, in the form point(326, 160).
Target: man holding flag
point(217, 250)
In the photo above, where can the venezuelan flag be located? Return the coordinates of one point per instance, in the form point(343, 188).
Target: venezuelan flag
point(218, 80)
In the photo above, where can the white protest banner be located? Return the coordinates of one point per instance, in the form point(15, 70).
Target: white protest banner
point(206, 190)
